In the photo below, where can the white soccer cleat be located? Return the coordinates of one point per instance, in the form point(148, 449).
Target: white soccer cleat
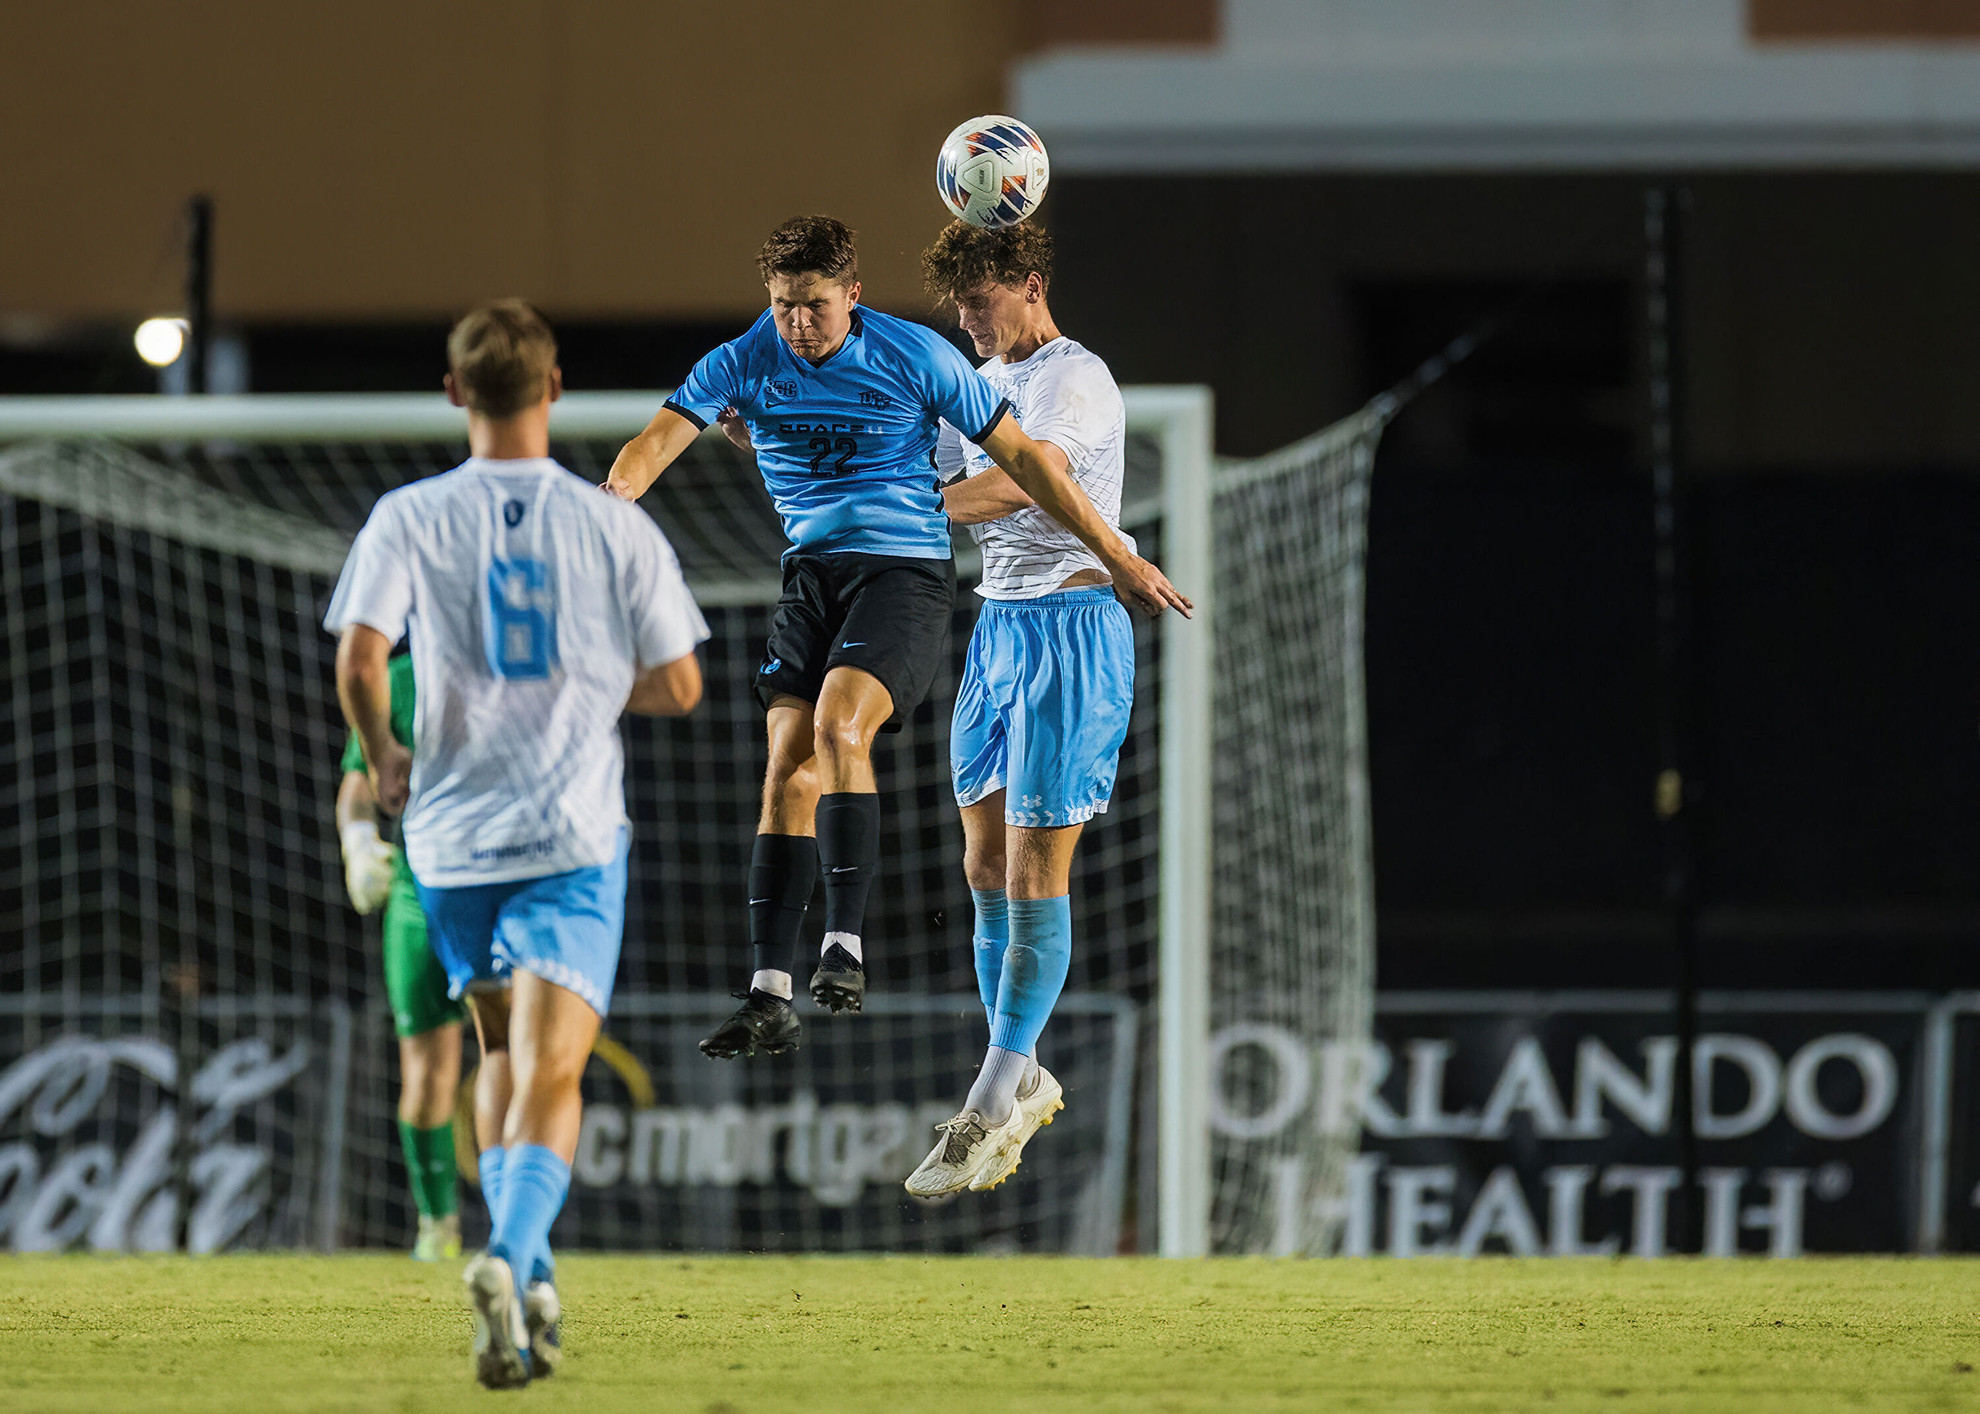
point(967, 1141)
point(543, 1316)
point(500, 1338)
point(1035, 1110)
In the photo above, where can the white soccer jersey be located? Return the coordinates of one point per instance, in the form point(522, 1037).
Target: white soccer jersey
point(533, 600)
point(1062, 394)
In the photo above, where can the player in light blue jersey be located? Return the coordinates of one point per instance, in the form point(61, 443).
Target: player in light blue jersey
point(842, 407)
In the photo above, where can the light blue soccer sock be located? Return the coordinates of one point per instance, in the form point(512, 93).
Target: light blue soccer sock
point(534, 1182)
point(1035, 965)
point(1034, 973)
point(489, 1166)
point(993, 934)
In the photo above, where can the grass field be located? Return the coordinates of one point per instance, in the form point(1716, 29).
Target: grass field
point(751, 1335)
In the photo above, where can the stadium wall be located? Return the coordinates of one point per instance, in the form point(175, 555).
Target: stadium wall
point(371, 159)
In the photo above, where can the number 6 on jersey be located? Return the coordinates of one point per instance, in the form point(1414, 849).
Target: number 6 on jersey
point(521, 626)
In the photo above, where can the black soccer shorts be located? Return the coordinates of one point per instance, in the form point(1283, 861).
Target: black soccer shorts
point(885, 614)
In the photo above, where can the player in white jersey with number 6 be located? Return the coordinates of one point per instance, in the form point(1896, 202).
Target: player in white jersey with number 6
point(1046, 692)
point(539, 611)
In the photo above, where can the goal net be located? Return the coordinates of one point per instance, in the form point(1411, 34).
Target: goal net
point(1292, 959)
point(194, 1047)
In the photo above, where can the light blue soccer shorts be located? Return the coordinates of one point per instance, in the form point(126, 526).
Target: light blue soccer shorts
point(1043, 706)
point(566, 928)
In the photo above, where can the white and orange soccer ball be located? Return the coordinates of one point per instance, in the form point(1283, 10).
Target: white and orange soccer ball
point(992, 171)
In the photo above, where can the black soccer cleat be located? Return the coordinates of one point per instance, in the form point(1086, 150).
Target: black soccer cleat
point(839, 984)
point(762, 1020)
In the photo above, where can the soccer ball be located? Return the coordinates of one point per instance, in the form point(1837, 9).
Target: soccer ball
point(992, 171)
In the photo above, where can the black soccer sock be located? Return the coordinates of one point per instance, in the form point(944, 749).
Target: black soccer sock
point(849, 853)
point(783, 870)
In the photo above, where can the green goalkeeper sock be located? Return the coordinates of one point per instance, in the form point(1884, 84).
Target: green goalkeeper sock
point(430, 1165)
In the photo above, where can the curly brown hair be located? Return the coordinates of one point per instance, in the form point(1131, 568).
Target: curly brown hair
point(806, 245)
point(964, 256)
point(501, 356)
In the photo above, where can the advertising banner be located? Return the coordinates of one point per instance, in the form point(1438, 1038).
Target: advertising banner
point(1545, 1123)
point(1487, 1122)
point(807, 1151)
point(104, 1127)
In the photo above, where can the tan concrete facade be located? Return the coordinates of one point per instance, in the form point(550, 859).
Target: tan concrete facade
point(380, 158)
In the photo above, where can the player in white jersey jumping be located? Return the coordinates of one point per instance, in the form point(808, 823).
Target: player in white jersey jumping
point(1046, 691)
point(539, 611)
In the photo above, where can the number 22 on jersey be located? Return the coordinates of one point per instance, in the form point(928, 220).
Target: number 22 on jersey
point(821, 448)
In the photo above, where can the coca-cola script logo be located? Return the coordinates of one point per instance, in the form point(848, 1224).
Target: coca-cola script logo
point(54, 1195)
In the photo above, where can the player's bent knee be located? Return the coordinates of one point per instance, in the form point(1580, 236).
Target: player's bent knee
point(838, 741)
point(793, 762)
point(548, 1073)
point(443, 1070)
point(791, 775)
point(984, 869)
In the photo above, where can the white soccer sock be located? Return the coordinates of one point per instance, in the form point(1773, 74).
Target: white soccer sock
point(995, 1092)
point(777, 984)
point(848, 941)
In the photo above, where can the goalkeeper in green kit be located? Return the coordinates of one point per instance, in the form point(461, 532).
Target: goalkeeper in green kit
point(427, 1019)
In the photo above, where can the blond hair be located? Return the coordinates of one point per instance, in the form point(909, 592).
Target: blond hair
point(501, 356)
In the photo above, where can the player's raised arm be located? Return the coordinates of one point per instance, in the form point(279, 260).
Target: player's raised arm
point(641, 460)
point(711, 389)
point(1043, 478)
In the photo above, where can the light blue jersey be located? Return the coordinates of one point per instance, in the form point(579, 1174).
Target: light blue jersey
point(847, 447)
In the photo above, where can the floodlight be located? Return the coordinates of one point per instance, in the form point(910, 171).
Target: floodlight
point(160, 341)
